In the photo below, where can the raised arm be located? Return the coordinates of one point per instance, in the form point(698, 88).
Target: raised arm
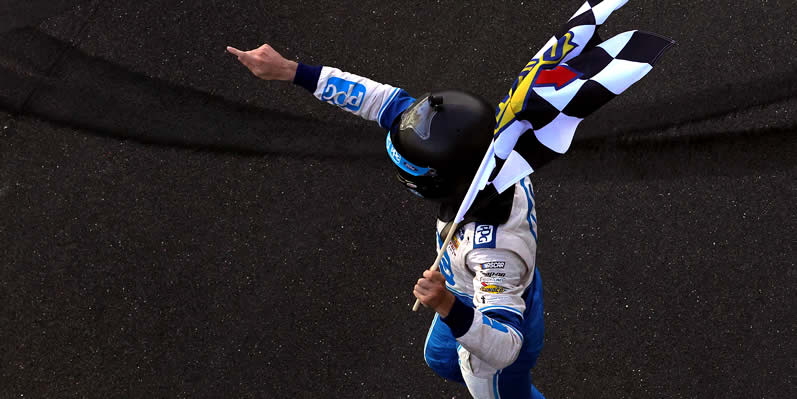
point(361, 96)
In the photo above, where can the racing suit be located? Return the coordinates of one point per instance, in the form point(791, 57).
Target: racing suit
point(493, 334)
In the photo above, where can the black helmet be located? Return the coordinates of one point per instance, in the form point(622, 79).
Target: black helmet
point(439, 143)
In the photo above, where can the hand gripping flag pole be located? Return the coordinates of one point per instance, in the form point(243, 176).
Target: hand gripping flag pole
point(571, 77)
point(478, 183)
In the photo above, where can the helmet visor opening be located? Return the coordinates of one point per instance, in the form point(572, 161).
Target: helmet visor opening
point(418, 117)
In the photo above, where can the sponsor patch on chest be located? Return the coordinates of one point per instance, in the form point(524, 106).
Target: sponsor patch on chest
point(453, 246)
point(492, 288)
point(484, 236)
point(491, 277)
point(493, 265)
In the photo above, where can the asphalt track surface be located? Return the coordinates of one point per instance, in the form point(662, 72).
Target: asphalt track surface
point(172, 227)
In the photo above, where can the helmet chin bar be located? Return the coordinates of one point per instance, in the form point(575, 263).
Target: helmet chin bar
point(428, 187)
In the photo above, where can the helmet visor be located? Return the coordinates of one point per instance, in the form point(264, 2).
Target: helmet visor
point(418, 117)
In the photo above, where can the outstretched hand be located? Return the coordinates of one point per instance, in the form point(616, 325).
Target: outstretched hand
point(266, 63)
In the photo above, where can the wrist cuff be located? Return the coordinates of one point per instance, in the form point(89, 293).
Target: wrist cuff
point(307, 76)
point(459, 319)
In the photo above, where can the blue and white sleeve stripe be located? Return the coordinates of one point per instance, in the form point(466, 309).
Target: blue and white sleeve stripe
point(391, 109)
point(384, 106)
point(504, 308)
point(358, 95)
point(494, 337)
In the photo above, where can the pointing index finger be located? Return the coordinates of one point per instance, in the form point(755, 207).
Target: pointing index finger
point(235, 51)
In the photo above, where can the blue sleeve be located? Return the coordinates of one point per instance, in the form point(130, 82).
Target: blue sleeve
point(399, 101)
point(307, 76)
point(508, 319)
point(459, 318)
point(492, 337)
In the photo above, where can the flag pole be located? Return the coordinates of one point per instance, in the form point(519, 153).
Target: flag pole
point(437, 260)
point(479, 182)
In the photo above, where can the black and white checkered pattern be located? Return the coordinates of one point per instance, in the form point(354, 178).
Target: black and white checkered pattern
point(544, 128)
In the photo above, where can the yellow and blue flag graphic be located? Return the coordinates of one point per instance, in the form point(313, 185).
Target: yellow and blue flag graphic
point(573, 75)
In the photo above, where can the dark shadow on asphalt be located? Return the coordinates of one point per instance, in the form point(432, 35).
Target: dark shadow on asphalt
point(109, 100)
point(724, 99)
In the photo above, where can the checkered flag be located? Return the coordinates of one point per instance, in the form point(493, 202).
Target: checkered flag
point(572, 76)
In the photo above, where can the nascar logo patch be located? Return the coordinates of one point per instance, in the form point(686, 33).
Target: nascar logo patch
point(493, 265)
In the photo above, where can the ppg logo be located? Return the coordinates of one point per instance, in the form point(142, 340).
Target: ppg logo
point(344, 94)
point(484, 234)
point(395, 155)
point(392, 151)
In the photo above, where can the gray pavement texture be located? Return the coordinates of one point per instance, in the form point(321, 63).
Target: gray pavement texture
point(172, 227)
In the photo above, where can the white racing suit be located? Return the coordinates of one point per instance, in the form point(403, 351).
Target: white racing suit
point(497, 321)
point(491, 338)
